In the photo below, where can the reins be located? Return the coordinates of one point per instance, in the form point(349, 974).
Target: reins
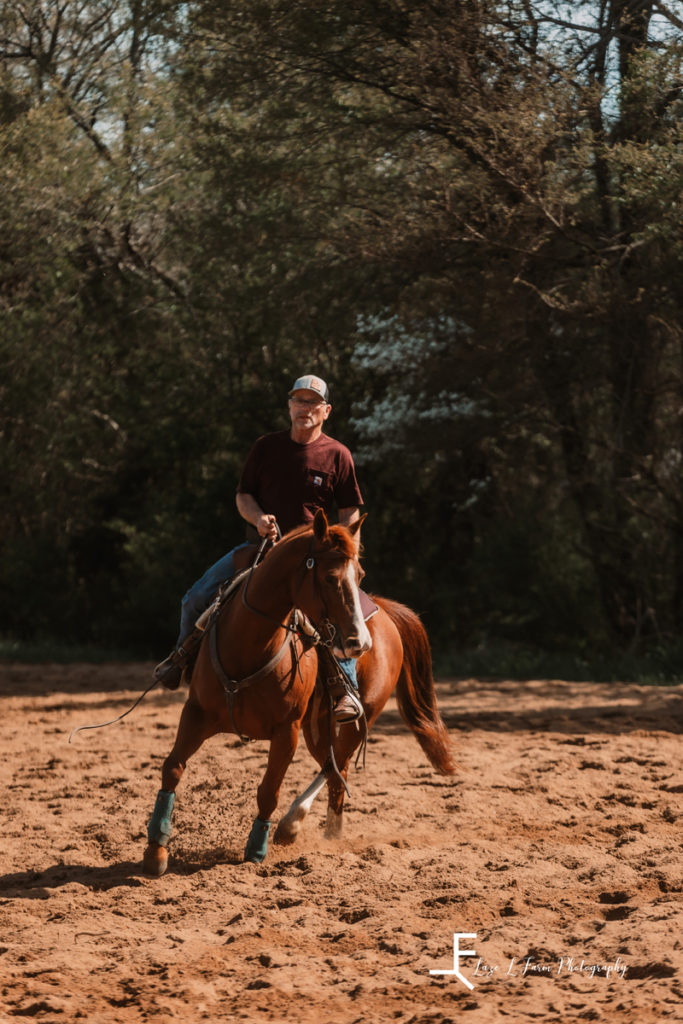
point(293, 628)
point(231, 687)
point(103, 725)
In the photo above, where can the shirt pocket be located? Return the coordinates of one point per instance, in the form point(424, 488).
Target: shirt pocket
point(318, 487)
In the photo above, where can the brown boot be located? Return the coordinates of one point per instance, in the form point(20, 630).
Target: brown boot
point(348, 708)
point(169, 672)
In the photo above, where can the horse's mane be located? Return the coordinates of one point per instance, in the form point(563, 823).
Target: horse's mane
point(340, 536)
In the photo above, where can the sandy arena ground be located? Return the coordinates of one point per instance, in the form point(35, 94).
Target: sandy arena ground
point(555, 852)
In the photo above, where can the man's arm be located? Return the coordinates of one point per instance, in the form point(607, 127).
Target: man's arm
point(347, 516)
point(249, 509)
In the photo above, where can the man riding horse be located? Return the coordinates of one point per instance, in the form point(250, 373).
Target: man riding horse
point(286, 477)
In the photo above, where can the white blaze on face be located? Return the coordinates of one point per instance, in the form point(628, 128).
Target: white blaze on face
point(359, 639)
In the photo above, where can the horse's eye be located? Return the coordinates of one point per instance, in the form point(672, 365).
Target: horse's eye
point(331, 579)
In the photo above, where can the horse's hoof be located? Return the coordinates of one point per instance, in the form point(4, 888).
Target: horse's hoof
point(155, 860)
point(333, 825)
point(286, 833)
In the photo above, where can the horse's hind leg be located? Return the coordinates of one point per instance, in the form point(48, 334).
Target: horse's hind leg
point(289, 826)
point(194, 727)
point(282, 749)
point(336, 785)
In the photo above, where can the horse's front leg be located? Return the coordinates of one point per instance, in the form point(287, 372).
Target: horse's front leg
point(282, 749)
point(194, 727)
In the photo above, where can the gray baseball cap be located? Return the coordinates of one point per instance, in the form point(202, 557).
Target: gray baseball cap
point(310, 383)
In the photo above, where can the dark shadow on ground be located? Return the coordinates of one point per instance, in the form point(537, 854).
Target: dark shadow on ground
point(40, 885)
point(51, 679)
point(652, 709)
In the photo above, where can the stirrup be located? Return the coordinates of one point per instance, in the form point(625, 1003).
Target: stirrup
point(348, 708)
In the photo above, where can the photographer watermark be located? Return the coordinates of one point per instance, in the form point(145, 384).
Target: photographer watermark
point(529, 965)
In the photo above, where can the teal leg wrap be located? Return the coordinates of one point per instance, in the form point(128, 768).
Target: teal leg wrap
point(257, 843)
point(159, 828)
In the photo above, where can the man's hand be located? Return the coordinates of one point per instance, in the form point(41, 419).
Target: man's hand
point(267, 526)
point(249, 509)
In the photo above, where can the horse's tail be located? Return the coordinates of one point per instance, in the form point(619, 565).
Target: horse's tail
point(415, 691)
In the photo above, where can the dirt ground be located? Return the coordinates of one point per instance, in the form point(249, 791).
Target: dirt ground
point(554, 855)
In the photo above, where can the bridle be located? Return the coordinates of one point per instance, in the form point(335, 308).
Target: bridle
point(321, 635)
point(298, 627)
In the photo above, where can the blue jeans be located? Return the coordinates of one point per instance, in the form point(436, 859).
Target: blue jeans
point(349, 666)
point(200, 595)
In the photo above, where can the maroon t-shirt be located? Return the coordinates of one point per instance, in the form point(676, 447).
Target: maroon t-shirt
point(291, 480)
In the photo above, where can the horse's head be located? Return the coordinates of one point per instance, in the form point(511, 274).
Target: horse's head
point(335, 570)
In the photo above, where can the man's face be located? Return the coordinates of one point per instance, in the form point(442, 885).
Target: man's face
point(307, 409)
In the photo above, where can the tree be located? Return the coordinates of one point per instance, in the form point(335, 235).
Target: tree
point(495, 175)
point(465, 215)
point(92, 318)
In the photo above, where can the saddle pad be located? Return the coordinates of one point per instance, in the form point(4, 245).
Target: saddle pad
point(367, 606)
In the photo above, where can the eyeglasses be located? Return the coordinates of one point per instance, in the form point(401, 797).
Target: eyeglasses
point(310, 403)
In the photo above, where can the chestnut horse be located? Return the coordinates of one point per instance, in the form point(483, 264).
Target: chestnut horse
point(313, 572)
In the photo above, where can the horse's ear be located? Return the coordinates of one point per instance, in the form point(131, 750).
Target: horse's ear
point(320, 525)
point(356, 524)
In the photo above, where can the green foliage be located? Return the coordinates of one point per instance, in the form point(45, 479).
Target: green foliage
point(463, 217)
